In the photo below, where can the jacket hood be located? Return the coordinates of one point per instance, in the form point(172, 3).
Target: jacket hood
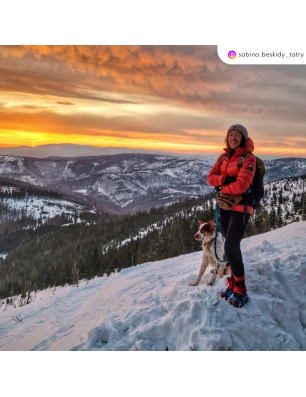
point(247, 148)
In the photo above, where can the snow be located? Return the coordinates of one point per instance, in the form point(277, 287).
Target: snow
point(151, 306)
point(114, 180)
point(83, 191)
point(45, 208)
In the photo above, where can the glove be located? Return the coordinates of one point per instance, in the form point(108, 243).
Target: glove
point(228, 180)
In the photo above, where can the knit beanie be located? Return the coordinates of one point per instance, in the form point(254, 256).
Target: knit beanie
point(239, 128)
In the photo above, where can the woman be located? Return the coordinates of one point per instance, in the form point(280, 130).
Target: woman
point(235, 180)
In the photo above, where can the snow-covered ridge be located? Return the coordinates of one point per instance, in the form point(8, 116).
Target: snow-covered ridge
point(29, 203)
point(141, 180)
point(40, 208)
point(151, 307)
point(129, 182)
point(284, 198)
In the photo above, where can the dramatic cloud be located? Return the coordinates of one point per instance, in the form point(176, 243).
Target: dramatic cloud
point(161, 94)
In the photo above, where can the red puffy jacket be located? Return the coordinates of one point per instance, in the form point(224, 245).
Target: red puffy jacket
point(229, 167)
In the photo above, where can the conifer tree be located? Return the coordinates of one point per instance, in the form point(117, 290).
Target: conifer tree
point(273, 218)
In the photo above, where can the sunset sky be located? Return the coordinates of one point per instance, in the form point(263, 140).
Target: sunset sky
point(174, 98)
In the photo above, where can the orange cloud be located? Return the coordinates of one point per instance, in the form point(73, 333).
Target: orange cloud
point(159, 70)
point(146, 95)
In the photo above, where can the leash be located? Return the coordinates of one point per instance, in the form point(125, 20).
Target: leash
point(218, 224)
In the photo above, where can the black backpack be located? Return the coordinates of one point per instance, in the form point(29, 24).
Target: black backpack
point(257, 186)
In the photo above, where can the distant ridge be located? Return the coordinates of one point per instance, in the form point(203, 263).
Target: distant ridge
point(129, 182)
point(73, 150)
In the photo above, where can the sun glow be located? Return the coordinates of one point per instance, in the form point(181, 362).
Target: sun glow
point(197, 142)
point(152, 97)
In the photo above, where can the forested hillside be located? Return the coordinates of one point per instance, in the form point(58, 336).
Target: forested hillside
point(44, 256)
point(24, 206)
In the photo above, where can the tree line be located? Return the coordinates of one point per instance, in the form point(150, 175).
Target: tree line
point(44, 256)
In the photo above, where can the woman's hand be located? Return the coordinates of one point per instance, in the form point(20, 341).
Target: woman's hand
point(228, 180)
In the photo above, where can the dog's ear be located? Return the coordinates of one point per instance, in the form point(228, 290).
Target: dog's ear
point(206, 227)
point(211, 225)
point(200, 222)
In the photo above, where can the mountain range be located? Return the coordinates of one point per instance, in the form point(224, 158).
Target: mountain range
point(129, 182)
point(74, 150)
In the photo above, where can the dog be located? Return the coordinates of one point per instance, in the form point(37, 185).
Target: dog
point(206, 234)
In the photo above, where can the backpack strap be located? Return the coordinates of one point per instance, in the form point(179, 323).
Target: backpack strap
point(240, 164)
point(223, 158)
point(242, 159)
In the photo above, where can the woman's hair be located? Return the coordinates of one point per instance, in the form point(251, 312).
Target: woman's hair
point(231, 151)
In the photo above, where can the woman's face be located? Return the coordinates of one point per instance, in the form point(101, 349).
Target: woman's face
point(234, 139)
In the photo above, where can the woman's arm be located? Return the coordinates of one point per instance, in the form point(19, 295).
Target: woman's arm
point(244, 178)
point(214, 177)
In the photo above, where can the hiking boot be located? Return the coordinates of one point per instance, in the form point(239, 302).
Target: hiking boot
point(229, 290)
point(239, 296)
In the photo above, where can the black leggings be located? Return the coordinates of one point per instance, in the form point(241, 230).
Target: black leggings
point(233, 229)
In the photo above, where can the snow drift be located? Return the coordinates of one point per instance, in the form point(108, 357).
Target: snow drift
point(151, 307)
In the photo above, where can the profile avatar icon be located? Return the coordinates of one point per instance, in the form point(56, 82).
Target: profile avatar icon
point(232, 55)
